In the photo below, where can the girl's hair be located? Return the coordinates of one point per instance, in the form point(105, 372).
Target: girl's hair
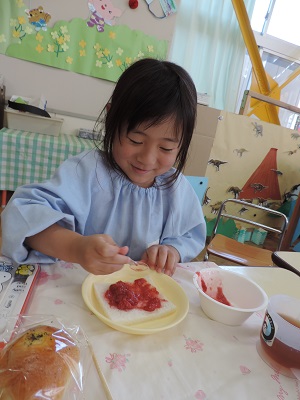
point(151, 91)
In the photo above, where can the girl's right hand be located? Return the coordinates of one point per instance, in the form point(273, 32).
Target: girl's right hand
point(99, 254)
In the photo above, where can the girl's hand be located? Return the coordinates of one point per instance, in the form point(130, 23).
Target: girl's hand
point(99, 254)
point(162, 258)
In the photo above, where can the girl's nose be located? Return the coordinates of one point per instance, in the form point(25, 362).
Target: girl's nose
point(147, 156)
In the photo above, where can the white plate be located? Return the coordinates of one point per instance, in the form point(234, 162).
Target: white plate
point(164, 284)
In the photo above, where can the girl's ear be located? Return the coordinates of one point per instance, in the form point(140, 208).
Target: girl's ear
point(108, 105)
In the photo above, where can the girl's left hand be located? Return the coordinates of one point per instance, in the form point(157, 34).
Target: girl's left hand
point(162, 258)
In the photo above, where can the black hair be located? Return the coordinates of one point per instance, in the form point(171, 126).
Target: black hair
point(151, 91)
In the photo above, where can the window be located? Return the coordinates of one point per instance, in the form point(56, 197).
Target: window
point(284, 20)
point(276, 28)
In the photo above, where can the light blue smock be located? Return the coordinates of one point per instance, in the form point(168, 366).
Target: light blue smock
point(87, 197)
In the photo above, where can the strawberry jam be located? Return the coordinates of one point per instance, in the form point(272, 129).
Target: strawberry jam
point(220, 297)
point(133, 295)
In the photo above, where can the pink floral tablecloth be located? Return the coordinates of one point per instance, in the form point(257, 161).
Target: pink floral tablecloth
point(197, 359)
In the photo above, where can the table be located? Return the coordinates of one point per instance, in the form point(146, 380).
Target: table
point(197, 359)
point(28, 157)
point(288, 260)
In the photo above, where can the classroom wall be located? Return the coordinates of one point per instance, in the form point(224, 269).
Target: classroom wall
point(77, 98)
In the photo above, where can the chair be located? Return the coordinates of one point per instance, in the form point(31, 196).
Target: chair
point(235, 250)
point(199, 184)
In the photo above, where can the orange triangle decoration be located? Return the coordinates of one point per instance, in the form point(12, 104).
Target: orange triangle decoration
point(264, 180)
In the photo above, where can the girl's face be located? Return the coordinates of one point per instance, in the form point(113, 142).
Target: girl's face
point(146, 152)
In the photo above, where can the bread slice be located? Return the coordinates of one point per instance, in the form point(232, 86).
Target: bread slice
point(134, 316)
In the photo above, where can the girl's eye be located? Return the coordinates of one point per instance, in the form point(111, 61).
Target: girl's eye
point(134, 141)
point(167, 150)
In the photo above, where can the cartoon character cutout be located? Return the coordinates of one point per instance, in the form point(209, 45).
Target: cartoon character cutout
point(38, 18)
point(25, 270)
point(103, 12)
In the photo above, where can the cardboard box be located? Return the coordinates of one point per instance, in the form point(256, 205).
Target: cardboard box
point(202, 140)
point(25, 121)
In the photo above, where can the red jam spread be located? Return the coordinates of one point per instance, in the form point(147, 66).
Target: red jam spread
point(133, 295)
point(220, 296)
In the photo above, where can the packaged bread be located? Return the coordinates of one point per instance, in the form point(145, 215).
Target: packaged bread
point(38, 364)
point(134, 302)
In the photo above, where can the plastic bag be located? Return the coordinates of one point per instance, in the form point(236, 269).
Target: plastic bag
point(45, 358)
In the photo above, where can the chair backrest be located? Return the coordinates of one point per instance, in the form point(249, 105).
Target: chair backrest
point(244, 207)
point(199, 184)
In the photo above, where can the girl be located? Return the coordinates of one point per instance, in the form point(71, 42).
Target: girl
point(126, 201)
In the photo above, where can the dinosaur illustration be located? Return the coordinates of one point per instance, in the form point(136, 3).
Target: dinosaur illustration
point(258, 187)
point(243, 210)
point(261, 201)
point(216, 163)
point(216, 207)
point(234, 190)
point(277, 171)
point(290, 152)
point(240, 152)
point(258, 129)
point(206, 199)
point(295, 135)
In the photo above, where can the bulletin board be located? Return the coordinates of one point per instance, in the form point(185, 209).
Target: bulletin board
point(73, 53)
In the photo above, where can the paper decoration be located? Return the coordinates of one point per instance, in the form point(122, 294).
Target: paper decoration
point(38, 18)
point(74, 45)
point(102, 12)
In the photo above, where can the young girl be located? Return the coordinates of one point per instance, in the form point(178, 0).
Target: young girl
point(104, 208)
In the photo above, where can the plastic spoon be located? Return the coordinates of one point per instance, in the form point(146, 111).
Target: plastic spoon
point(138, 266)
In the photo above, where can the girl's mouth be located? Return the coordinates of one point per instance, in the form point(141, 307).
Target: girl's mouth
point(139, 170)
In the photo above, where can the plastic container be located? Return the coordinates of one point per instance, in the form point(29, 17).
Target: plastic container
point(25, 121)
point(215, 285)
point(279, 342)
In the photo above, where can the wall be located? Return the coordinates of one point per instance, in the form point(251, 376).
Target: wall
point(68, 93)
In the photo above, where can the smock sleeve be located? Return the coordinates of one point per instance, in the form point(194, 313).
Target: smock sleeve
point(185, 228)
point(64, 199)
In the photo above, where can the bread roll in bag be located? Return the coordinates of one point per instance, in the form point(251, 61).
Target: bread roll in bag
point(38, 364)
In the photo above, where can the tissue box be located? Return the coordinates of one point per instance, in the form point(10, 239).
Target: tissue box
point(259, 236)
point(24, 121)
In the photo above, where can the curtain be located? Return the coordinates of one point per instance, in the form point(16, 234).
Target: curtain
point(208, 43)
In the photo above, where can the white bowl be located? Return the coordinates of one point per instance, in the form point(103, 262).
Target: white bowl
point(243, 294)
